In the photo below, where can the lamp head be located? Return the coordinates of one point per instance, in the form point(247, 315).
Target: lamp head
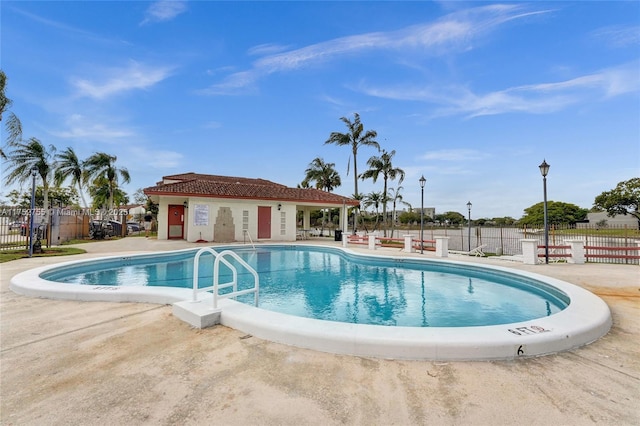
point(469, 205)
point(34, 171)
point(422, 181)
point(544, 168)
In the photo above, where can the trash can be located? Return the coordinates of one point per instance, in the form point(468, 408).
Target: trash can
point(338, 234)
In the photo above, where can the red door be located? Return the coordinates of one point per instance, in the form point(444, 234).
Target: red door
point(176, 221)
point(264, 222)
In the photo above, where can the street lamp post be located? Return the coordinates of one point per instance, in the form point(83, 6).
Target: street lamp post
point(422, 182)
point(34, 172)
point(469, 207)
point(544, 169)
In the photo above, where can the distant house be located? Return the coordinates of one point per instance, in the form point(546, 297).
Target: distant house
point(429, 212)
point(200, 207)
point(134, 211)
point(617, 221)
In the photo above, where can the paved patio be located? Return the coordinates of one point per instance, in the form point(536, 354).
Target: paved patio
point(69, 362)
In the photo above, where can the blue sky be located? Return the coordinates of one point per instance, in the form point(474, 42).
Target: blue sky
point(472, 95)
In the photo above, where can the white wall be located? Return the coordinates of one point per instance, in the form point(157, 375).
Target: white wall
point(163, 208)
point(281, 230)
point(195, 232)
point(617, 220)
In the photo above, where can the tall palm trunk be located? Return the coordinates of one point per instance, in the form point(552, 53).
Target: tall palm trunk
point(384, 208)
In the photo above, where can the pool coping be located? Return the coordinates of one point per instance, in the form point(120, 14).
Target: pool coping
point(586, 319)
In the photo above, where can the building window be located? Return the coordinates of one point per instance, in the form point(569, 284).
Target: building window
point(245, 220)
point(283, 223)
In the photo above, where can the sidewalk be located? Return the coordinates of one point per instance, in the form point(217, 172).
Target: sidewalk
point(69, 362)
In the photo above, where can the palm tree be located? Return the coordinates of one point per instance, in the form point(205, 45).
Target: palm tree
point(394, 194)
point(69, 166)
point(101, 164)
point(12, 124)
point(103, 194)
point(4, 104)
point(373, 199)
point(382, 166)
point(355, 137)
point(14, 134)
point(355, 210)
point(4, 101)
point(325, 176)
point(26, 156)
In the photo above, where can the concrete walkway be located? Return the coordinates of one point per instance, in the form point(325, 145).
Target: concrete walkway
point(94, 363)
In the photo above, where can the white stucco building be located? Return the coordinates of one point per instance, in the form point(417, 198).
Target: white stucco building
point(200, 207)
point(618, 220)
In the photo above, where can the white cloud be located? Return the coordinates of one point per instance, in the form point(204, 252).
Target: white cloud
point(266, 49)
point(621, 80)
point(58, 25)
point(454, 31)
point(118, 80)
point(611, 82)
point(619, 36)
point(95, 132)
point(551, 97)
point(153, 158)
point(333, 100)
point(238, 83)
point(164, 10)
point(165, 160)
point(538, 98)
point(220, 70)
point(84, 129)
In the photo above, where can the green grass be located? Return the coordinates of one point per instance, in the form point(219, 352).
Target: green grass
point(9, 255)
point(391, 243)
point(604, 232)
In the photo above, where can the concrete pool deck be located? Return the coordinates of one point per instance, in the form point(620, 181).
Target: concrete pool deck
point(68, 362)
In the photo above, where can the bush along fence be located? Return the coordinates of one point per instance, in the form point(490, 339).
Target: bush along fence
point(566, 244)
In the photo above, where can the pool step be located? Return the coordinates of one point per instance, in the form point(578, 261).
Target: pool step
point(199, 314)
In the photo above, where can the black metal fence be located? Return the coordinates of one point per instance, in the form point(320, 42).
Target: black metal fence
point(611, 244)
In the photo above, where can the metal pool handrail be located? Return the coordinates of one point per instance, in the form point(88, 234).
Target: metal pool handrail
point(246, 232)
point(220, 257)
point(234, 282)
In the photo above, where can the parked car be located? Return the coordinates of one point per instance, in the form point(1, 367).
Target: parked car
point(17, 225)
point(133, 227)
point(100, 229)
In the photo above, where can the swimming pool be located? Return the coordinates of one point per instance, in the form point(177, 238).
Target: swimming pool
point(583, 320)
point(331, 285)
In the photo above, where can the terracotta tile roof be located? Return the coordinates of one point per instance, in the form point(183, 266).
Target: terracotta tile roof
point(131, 206)
point(200, 185)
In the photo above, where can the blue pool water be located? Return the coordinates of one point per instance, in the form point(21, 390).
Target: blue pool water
point(329, 284)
